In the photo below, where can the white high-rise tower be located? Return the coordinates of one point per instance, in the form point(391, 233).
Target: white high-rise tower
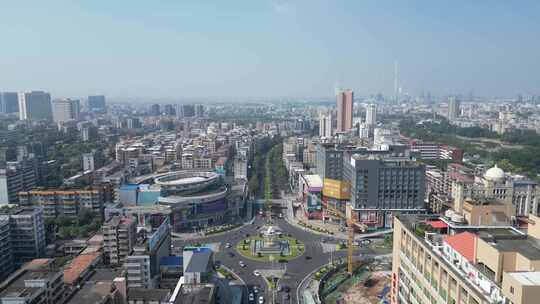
point(371, 114)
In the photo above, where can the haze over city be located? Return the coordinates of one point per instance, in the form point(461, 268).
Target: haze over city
point(269, 48)
point(269, 152)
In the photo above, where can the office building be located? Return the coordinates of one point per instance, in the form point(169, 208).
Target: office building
point(64, 202)
point(325, 125)
point(118, 239)
point(453, 108)
point(88, 162)
point(9, 102)
point(40, 281)
point(89, 133)
point(169, 110)
point(35, 105)
point(437, 260)
point(199, 110)
point(371, 114)
point(382, 186)
point(344, 100)
point(155, 110)
point(186, 111)
point(96, 103)
point(27, 232)
point(66, 109)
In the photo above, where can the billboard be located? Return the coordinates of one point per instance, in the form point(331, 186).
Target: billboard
point(336, 189)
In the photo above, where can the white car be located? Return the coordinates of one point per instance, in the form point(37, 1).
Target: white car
point(228, 245)
point(261, 300)
point(256, 273)
point(242, 264)
point(251, 297)
point(255, 289)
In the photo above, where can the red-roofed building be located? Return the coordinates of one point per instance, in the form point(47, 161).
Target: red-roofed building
point(461, 245)
point(438, 224)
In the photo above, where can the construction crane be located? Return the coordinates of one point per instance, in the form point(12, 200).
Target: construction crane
point(351, 225)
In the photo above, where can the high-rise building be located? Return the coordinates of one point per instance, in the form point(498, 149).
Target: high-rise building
point(383, 186)
point(169, 110)
point(6, 253)
point(142, 266)
point(186, 111)
point(88, 162)
point(199, 110)
point(118, 239)
point(453, 108)
point(35, 105)
point(96, 103)
point(9, 102)
point(344, 100)
point(66, 109)
point(27, 232)
point(371, 114)
point(16, 177)
point(325, 125)
point(155, 110)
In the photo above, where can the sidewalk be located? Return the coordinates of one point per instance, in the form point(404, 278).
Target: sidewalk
point(294, 219)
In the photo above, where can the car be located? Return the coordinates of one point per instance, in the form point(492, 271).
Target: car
point(251, 297)
point(279, 288)
point(286, 288)
point(231, 254)
point(256, 273)
point(287, 296)
point(228, 245)
point(307, 257)
point(281, 215)
point(261, 300)
point(255, 289)
point(217, 264)
point(242, 264)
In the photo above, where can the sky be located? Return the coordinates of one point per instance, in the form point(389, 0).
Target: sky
point(269, 48)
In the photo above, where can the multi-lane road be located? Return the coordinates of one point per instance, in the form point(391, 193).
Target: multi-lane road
point(295, 270)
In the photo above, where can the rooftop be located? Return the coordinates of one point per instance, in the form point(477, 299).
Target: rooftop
point(92, 292)
point(78, 266)
point(526, 278)
point(464, 243)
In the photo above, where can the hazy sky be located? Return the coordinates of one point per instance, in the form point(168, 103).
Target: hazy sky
point(269, 48)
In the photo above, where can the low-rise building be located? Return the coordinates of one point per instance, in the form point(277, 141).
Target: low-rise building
point(64, 202)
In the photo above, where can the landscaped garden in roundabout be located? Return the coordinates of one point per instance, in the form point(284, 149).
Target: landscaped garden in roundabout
point(270, 245)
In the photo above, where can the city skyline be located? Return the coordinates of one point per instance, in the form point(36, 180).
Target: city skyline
point(205, 50)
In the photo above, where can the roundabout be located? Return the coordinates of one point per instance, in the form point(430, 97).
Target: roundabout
point(270, 245)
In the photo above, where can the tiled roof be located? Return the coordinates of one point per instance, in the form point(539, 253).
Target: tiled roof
point(464, 243)
point(78, 266)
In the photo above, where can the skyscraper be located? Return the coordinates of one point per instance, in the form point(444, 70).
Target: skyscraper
point(453, 108)
point(371, 114)
point(155, 110)
point(344, 100)
point(66, 109)
point(35, 105)
point(325, 125)
point(96, 103)
point(9, 102)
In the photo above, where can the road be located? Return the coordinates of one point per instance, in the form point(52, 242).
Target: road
point(296, 270)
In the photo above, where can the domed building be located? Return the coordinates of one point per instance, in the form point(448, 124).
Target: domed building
point(495, 174)
point(501, 187)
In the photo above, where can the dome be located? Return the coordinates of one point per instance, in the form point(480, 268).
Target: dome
point(494, 174)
